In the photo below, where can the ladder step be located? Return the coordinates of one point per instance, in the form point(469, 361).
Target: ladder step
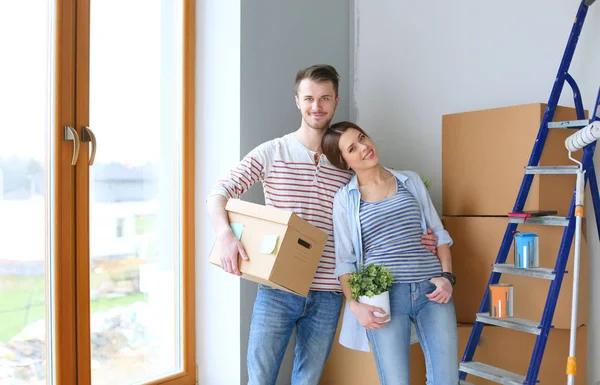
point(551, 170)
point(519, 324)
point(463, 382)
point(569, 124)
point(535, 272)
point(491, 373)
point(546, 220)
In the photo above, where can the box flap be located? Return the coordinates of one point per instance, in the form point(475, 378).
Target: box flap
point(259, 211)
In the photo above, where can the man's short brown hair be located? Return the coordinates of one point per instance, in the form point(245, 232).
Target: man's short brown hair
point(319, 73)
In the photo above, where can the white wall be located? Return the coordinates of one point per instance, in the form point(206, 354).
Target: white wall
point(248, 53)
point(416, 61)
point(217, 117)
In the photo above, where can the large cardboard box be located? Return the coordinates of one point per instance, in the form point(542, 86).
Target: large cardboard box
point(476, 244)
point(283, 249)
point(511, 350)
point(352, 367)
point(483, 158)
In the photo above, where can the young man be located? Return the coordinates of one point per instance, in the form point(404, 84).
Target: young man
point(297, 177)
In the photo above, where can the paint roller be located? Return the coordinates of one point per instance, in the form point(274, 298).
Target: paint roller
point(585, 136)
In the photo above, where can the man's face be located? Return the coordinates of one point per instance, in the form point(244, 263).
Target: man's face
point(316, 102)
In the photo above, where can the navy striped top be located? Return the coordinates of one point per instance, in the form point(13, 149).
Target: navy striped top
point(391, 235)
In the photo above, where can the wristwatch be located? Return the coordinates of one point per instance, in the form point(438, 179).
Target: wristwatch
point(449, 276)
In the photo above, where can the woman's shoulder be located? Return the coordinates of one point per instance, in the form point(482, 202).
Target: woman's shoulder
point(405, 174)
point(343, 194)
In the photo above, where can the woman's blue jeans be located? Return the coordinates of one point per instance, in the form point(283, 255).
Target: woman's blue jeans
point(436, 329)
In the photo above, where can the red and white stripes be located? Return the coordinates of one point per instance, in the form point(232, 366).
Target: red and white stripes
point(293, 182)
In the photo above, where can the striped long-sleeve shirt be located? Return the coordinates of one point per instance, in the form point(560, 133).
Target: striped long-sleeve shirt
point(295, 179)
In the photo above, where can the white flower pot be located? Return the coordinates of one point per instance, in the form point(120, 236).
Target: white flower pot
point(382, 301)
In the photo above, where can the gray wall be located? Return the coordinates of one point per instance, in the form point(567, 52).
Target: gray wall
point(277, 39)
point(247, 55)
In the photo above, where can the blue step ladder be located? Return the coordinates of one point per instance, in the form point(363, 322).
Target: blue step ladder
point(541, 329)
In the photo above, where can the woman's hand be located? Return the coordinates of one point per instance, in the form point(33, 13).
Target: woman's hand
point(365, 316)
point(443, 291)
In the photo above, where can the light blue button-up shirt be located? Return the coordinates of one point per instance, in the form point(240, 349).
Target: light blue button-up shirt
point(348, 241)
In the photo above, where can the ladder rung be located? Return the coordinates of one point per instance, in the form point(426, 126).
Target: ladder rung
point(551, 170)
point(491, 373)
point(535, 272)
point(519, 324)
point(569, 124)
point(547, 220)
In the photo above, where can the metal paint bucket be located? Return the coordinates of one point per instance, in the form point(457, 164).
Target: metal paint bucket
point(527, 251)
point(501, 300)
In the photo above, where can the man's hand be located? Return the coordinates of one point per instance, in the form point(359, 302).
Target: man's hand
point(430, 241)
point(365, 316)
point(231, 249)
point(443, 291)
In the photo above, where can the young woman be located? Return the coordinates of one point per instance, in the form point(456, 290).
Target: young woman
point(379, 217)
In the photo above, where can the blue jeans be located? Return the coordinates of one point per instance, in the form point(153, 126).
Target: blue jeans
point(275, 315)
point(436, 329)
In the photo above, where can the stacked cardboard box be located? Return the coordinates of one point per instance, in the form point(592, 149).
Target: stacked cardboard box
point(353, 367)
point(502, 348)
point(511, 350)
point(475, 248)
point(483, 156)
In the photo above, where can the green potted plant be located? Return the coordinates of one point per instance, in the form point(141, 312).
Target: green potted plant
point(426, 182)
point(371, 285)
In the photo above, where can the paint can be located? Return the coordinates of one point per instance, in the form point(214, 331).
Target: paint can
point(527, 251)
point(501, 300)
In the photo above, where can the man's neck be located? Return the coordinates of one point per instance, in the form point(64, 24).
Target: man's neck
point(310, 137)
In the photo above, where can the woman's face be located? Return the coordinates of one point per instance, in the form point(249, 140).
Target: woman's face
point(358, 150)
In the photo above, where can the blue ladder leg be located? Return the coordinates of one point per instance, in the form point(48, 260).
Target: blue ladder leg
point(552, 299)
point(576, 97)
point(559, 82)
point(567, 239)
point(484, 306)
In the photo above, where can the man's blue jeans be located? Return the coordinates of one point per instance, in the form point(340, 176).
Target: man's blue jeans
point(436, 329)
point(275, 315)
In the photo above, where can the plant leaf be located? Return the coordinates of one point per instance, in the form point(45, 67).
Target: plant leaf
point(370, 281)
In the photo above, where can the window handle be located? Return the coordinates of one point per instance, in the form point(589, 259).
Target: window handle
point(87, 135)
point(71, 134)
